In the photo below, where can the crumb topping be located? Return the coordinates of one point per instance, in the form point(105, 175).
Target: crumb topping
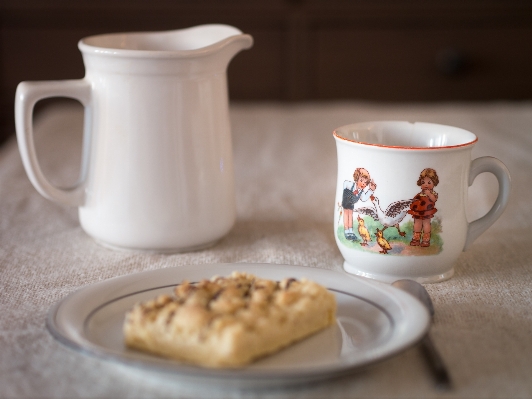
point(221, 302)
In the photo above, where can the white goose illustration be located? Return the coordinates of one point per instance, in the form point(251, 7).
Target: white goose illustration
point(395, 212)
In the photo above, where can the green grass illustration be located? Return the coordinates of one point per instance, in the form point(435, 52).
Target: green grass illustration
point(400, 245)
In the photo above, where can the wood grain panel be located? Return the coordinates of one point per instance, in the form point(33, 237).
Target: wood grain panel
point(382, 50)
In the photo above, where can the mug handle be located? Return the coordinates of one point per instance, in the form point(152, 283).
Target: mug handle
point(491, 165)
point(27, 95)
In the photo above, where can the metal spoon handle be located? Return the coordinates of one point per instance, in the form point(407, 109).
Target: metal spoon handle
point(443, 380)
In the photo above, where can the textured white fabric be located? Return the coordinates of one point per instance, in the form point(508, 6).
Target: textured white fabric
point(285, 161)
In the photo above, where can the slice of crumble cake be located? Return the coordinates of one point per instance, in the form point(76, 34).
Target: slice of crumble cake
point(229, 321)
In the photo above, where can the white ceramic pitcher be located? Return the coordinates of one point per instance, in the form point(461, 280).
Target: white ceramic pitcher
point(157, 169)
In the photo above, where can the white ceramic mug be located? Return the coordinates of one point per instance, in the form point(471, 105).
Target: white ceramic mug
point(157, 168)
point(401, 197)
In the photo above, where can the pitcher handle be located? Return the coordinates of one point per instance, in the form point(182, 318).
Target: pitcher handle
point(27, 95)
point(491, 165)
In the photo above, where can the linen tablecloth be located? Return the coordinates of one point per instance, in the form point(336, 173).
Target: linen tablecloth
point(285, 166)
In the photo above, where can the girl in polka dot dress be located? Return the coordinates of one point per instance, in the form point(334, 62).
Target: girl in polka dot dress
point(423, 207)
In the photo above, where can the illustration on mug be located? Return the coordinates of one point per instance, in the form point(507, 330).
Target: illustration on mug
point(406, 227)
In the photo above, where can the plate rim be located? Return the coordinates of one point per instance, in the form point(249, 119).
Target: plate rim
point(85, 346)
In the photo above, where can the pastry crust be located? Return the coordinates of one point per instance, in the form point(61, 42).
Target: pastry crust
point(229, 321)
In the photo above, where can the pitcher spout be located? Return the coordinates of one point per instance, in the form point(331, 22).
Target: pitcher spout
point(222, 41)
point(215, 37)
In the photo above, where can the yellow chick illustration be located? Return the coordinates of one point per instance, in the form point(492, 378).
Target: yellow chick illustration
point(363, 231)
point(383, 243)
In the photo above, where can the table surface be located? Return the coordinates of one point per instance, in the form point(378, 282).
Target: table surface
point(283, 154)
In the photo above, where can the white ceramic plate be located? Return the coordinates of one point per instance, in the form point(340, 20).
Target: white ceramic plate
point(374, 321)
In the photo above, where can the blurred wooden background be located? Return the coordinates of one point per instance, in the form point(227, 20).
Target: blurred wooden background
point(377, 50)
